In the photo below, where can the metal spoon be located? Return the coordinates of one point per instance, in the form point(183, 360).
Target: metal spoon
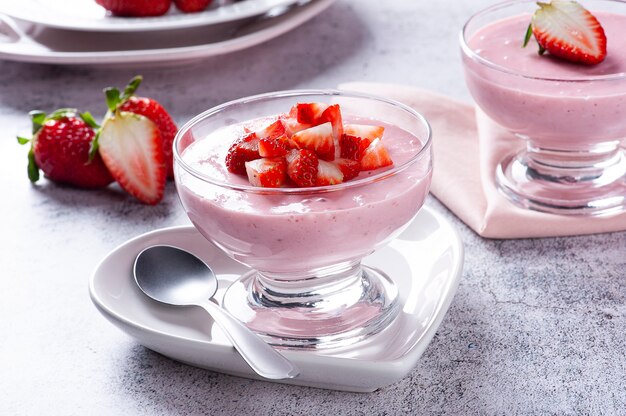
point(173, 276)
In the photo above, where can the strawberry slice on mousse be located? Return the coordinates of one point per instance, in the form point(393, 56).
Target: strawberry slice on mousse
point(567, 30)
point(349, 168)
point(279, 146)
point(243, 150)
point(353, 147)
point(328, 173)
point(302, 166)
point(364, 131)
point(375, 156)
point(319, 139)
point(267, 172)
point(309, 113)
point(332, 114)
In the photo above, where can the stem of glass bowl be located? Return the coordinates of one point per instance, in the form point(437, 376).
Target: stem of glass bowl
point(584, 181)
point(330, 307)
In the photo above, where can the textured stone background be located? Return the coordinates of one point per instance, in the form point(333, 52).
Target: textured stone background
point(537, 326)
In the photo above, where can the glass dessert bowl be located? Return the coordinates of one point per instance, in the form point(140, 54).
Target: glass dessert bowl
point(307, 287)
point(572, 117)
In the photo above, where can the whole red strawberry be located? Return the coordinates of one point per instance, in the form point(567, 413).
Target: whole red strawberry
point(192, 6)
point(60, 148)
point(150, 109)
point(136, 8)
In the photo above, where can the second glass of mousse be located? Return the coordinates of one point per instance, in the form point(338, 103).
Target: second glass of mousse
point(571, 116)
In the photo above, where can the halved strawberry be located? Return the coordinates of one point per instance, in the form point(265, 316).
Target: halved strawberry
point(309, 113)
point(328, 174)
point(375, 156)
point(332, 114)
point(274, 130)
point(353, 147)
point(126, 101)
point(350, 168)
point(318, 139)
point(243, 150)
point(569, 31)
point(364, 130)
point(279, 146)
point(132, 149)
point(302, 167)
point(267, 172)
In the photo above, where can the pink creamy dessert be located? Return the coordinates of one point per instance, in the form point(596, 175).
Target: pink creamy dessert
point(558, 104)
point(277, 232)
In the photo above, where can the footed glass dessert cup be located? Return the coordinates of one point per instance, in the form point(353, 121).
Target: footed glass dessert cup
point(572, 117)
point(307, 287)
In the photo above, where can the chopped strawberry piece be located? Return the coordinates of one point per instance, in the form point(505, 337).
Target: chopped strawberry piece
point(279, 146)
point(353, 147)
point(292, 126)
point(243, 150)
point(328, 174)
point(302, 167)
point(375, 156)
point(333, 115)
point(569, 31)
point(365, 131)
point(267, 172)
point(274, 130)
point(350, 168)
point(318, 139)
point(309, 113)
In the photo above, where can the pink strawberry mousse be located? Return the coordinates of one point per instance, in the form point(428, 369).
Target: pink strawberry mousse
point(558, 104)
point(282, 233)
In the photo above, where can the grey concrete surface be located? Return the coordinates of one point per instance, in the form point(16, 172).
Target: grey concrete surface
point(537, 326)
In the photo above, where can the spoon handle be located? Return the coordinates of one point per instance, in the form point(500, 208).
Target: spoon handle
point(259, 355)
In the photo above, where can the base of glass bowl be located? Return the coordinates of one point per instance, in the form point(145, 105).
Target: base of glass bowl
point(327, 309)
point(586, 182)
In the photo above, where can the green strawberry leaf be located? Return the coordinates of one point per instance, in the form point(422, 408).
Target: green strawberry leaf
point(529, 33)
point(33, 169)
point(38, 118)
point(22, 140)
point(112, 98)
point(93, 148)
point(541, 50)
point(131, 87)
point(88, 118)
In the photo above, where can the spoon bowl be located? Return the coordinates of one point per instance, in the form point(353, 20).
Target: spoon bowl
point(176, 277)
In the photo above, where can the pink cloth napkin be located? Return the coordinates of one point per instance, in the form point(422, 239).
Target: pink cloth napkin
point(467, 146)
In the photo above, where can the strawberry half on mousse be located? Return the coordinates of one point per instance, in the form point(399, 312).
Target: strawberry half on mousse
point(568, 31)
point(309, 146)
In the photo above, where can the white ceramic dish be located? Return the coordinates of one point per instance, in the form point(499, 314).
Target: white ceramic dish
point(425, 262)
point(53, 46)
point(86, 15)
